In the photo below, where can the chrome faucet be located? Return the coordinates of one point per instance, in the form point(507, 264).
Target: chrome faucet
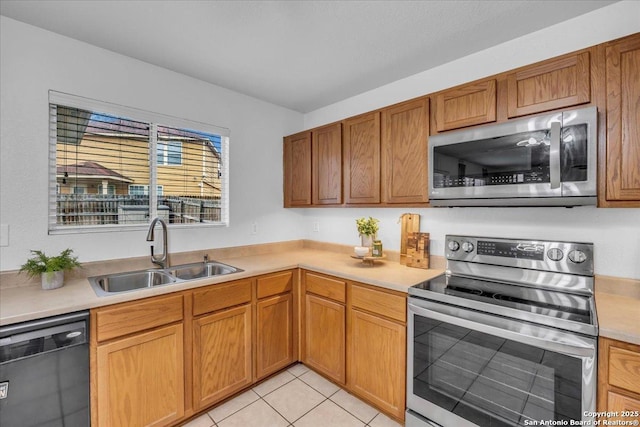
point(162, 261)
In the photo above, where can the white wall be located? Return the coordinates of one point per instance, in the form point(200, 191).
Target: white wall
point(33, 61)
point(615, 232)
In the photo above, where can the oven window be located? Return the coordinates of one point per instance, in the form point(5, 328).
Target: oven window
point(491, 381)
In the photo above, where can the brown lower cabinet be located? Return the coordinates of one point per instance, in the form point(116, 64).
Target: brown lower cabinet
point(358, 330)
point(160, 360)
point(138, 374)
point(275, 337)
point(619, 379)
point(221, 355)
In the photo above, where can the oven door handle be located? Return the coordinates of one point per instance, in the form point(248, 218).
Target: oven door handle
point(523, 332)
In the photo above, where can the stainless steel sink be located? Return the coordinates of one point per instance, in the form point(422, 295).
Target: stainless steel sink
point(201, 269)
point(123, 282)
point(110, 284)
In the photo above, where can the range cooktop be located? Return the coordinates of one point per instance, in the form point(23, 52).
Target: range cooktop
point(548, 283)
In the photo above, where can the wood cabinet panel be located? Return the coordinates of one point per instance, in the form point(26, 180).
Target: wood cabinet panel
point(274, 334)
point(218, 297)
point(326, 143)
point(222, 356)
point(140, 381)
point(297, 170)
point(333, 289)
point(324, 337)
point(553, 84)
point(619, 403)
point(618, 376)
point(361, 157)
point(377, 361)
point(380, 302)
point(624, 369)
point(405, 132)
point(128, 318)
point(623, 120)
point(274, 284)
point(467, 105)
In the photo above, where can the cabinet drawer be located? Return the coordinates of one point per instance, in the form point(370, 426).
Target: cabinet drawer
point(221, 296)
point(275, 284)
point(380, 302)
point(624, 369)
point(138, 316)
point(326, 287)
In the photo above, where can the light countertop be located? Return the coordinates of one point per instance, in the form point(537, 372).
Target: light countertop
point(617, 300)
point(24, 303)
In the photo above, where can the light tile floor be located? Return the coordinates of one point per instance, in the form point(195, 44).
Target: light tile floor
point(297, 397)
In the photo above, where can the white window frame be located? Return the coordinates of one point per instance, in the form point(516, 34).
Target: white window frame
point(155, 119)
point(163, 149)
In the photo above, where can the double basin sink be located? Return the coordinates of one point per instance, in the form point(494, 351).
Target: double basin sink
point(110, 284)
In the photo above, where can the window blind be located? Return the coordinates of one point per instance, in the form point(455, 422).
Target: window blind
point(111, 170)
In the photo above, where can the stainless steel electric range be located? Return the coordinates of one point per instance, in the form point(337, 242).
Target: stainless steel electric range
point(506, 337)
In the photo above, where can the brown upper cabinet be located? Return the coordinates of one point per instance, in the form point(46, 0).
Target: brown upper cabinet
point(405, 132)
point(297, 170)
point(326, 143)
point(385, 152)
point(549, 85)
point(623, 121)
point(466, 105)
point(361, 156)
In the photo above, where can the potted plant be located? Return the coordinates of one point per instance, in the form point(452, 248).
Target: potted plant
point(367, 228)
point(50, 269)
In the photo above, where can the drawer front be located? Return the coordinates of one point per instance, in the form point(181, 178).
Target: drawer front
point(624, 369)
point(221, 296)
point(138, 316)
point(326, 287)
point(380, 302)
point(275, 284)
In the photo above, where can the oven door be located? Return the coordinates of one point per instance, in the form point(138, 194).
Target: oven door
point(547, 156)
point(467, 368)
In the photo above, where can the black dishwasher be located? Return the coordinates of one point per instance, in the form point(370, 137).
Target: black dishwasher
point(44, 372)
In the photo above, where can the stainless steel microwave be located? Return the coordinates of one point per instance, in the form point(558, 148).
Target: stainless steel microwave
point(546, 160)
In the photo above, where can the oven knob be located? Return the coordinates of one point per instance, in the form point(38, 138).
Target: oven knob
point(467, 246)
point(453, 245)
point(555, 254)
point(577, 256)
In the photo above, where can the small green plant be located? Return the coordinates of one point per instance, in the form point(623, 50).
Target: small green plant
point(367, 226)
point(41, 263)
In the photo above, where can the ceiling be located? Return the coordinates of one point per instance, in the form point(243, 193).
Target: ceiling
point(301, 55)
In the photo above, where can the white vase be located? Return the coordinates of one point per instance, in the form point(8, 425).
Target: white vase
point(52, 279)
point(366, 240)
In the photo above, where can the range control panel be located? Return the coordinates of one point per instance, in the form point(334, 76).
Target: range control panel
point(566, 257)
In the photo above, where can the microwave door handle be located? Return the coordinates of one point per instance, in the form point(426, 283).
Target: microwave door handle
point(554, 155)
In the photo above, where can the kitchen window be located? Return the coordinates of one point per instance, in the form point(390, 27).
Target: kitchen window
point(115, 167)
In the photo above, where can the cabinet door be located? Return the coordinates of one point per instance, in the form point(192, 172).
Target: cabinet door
point(297, 170)
point(558, 83)
point(221, 355)
point(141, 379)
point(623, 120)
point(324, 340)
point(468, 105)
point(274, 334)
point(405, 131)
point(377, 361)
point(361, 156)
point(326, 145)
point(620, 403)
